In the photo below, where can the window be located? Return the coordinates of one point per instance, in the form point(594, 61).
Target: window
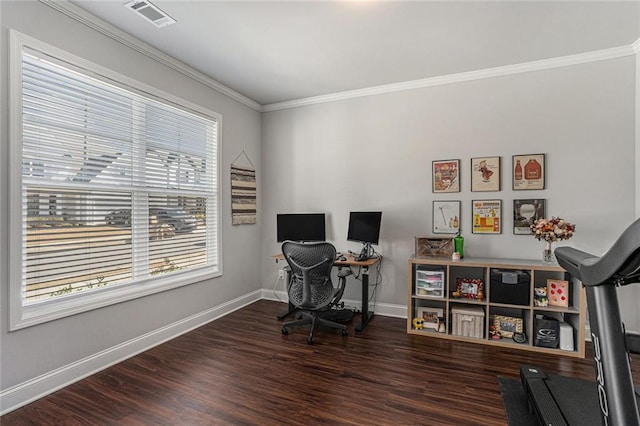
point(116, 190)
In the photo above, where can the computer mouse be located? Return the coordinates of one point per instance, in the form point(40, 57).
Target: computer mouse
point(342, 258)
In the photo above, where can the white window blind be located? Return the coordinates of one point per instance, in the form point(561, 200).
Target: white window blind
point(118, 186)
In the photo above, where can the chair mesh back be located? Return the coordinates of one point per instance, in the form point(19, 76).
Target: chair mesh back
point(301, 257)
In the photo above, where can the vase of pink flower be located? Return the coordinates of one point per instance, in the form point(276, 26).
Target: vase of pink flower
point(551, 230)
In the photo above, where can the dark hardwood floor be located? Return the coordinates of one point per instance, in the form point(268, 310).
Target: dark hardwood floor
point(240, 370)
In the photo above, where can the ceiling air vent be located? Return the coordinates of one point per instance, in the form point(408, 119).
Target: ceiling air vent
point(150, 12)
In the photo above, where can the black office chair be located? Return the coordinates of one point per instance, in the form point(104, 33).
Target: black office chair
point(310, 288)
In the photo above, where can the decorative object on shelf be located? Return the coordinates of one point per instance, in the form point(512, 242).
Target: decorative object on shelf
point(418, 323)
point(455, 256)
point(540, 296)
point(507, 326)
point(487, 216)
point(519, 338)
point(558, 293)
point(493, 333)
point(525, 213)
point(442, 327)
point(485, 174)
point(458, 244)
point(550, 230)
point(430, 317)
point(445, 217)
point(470, 288)
point(528, 172)
point(434, 247)
point(446, 176)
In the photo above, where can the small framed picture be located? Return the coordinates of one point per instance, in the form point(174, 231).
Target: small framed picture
point(446, 176)
point(487, 216)
point(525, 213)
point(485, 174)
point(430, 317)
point(470, 288)
point(446, 217)
point(507, 326)
point(528, 172)
point(558, 293)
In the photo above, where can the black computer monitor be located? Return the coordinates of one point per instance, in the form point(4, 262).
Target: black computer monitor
point(301, 227)
point(364, 227)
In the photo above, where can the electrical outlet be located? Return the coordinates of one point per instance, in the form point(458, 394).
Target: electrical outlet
point(281, 274)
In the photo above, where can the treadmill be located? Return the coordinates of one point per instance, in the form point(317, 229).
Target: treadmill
point(610, 400)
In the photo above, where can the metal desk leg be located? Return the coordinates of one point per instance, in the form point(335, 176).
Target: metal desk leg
point(366, 315)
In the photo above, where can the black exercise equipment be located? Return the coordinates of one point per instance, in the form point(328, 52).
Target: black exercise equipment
point(611, 399)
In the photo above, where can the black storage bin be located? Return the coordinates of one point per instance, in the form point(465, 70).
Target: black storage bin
point(510, 286)
point(547, 332)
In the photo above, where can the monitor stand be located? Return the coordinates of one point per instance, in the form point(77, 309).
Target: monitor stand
point(366, 253)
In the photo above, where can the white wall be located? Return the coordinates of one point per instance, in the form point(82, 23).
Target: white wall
point(375, 152)
point(38, 350)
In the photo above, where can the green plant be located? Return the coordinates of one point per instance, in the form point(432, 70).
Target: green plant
point(168, 266)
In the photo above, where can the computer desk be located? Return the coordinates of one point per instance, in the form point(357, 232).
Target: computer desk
point(364, 268)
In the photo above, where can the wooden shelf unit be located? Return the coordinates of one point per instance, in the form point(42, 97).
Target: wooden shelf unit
point(480, 268)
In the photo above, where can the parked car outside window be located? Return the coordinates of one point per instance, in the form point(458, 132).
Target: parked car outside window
point(177, 218)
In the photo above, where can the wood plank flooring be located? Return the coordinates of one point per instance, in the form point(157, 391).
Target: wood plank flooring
point(240, 370)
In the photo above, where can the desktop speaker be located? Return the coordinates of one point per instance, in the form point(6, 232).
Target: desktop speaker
point(566, 337)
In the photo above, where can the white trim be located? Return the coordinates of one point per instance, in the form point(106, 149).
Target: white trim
point(82, 16)
point(25, 316)
point(38, 387)
point(636, 46)
point(544, 64)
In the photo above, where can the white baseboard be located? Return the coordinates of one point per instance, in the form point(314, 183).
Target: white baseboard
point(38, 387)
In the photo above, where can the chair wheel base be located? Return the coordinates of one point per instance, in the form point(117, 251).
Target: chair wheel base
point(310, 340)
point(345, 332)
point(284, 331)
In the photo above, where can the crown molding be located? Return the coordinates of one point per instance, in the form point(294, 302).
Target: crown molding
point(84, 17)
point(544, 64)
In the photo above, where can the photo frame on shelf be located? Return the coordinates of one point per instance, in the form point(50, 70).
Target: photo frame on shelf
point(485, 174)
point(507, 326)
point(430, 317)
point(525, 213)
point(527, 172)
point(487, 216)
point(558, 293)
point(445, 217)
point(470, 288)
point(446, 176)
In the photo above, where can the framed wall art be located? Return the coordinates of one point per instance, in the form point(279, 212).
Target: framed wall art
point(446, 176)
point(528, 171)
point(487, 216)
point(446, 217)
point(525, 213)
point(485, 174)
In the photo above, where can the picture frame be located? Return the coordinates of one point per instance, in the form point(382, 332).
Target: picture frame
point(445, 217)
point(485, 174)
point(558, 293)
point(528, 172)
point(507, 326)
point(470, 288)
point(430, 317)
point(487, 216)
point(525, 213)
point(446, 176)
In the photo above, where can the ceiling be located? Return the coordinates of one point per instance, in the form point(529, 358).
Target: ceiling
point(277, 51)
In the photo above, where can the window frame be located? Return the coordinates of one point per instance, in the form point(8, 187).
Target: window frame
point(21, 315)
